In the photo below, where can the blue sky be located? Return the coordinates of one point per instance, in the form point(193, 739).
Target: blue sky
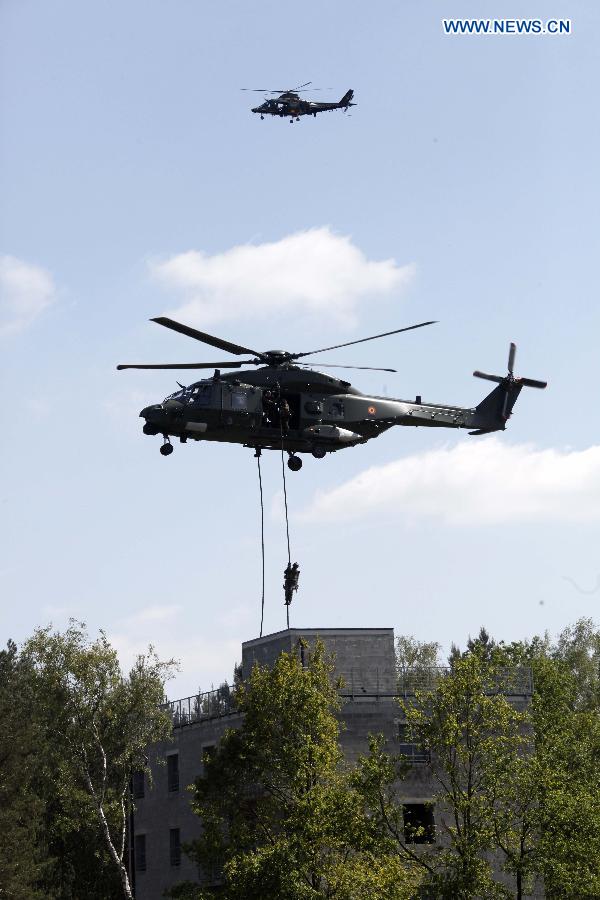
point(463, 187)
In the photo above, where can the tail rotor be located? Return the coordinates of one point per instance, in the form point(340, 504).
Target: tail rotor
point(511, 358)
point(510, 389)
point(511, 378)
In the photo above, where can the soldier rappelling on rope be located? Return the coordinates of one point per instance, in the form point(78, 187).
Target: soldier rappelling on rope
point(290, 583)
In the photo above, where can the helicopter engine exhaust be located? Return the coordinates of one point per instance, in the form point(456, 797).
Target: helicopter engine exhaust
point(332, 434)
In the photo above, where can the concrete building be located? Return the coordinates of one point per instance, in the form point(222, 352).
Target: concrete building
point(365, 659)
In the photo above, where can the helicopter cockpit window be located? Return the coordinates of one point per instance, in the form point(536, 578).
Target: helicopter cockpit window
point(178, 395)
point(201, 395)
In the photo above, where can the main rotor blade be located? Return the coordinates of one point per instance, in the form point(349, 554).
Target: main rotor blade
point(286, 90)
point(511, 358)
point(211, 365)
point(336, 366)
point(532, 382)
point(362, 340)
point(203, 336)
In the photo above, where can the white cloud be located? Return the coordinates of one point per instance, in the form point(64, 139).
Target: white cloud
point(204, 662)
point(483, 482)
point(25, 292)
point(306, 272)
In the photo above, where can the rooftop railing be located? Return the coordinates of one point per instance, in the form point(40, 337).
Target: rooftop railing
point(201, 707)
point(512, 682)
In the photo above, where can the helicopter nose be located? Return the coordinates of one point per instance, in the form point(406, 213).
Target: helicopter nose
point(150, 412)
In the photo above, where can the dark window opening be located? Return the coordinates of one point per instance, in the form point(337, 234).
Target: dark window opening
point(207, 753)
point(140, 852)
point(419, 824)
point(138, 784)
point(174, 847)
point(211, 875)
point(271, 414)
point(294, 404)
point(173, 772)
point(415, 754)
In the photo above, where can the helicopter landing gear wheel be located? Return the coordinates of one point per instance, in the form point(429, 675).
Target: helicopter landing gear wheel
point(297, 118)
point(319, 452)
point(167, 447)
point(262, 118)
point(294, 463)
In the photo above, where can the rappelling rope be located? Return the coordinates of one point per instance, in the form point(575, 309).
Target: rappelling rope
point(262, 541)
point(287, 522)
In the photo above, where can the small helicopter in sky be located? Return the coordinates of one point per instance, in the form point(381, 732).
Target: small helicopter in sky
point(289, 103)
point(285, 405)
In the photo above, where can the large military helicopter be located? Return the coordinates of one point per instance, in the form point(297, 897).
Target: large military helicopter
point(289, 103)
point(285, 405)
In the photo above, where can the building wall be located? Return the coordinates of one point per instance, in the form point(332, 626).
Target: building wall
point(161, 810)
point(365, 659)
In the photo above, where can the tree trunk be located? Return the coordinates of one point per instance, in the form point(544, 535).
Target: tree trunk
point(111, 847)
point(115, 856)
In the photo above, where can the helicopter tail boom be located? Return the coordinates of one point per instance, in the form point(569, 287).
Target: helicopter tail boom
point(491, 414)
point(496, 408)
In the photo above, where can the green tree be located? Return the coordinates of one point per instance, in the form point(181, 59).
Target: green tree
point(412, 654)
point(567, 746)
point(99, 723)
point(281, 818)
point(21, 809)
point(561, 791)
point(512, 798)
point(578, 648)
point(417, 664)
point(474, 738)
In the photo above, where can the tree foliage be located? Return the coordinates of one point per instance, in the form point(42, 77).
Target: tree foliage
point(516, 785)
point(73, 728)
point(105, 722)
point(472, 736)
point(412, 654)
point(566, 723)
point(280, 814)
point(21, 861)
